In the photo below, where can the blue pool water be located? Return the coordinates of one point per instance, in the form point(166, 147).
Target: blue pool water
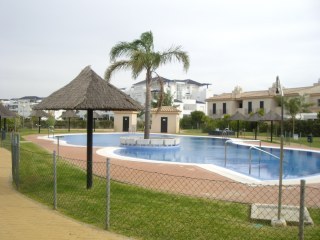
point(201, 150)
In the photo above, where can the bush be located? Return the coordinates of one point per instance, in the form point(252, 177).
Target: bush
point(304, 127)
point(209, 125)
point(186, 122)
point(140, 125)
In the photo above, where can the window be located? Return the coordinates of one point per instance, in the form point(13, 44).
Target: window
point(224, 108)
point(261, 104)
point(249, 107)
point(318, 102)
point(240, 104)
point(214, 108)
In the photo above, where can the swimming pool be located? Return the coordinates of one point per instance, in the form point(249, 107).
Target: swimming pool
point(208, 150)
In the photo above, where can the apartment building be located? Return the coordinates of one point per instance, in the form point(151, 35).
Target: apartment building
point(253, 101)
point(22, 106)
point(188, 95)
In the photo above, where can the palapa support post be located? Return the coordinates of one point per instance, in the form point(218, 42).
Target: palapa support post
point(39, 121)
point(271, 130)
point(238, 126)
point(89, 147)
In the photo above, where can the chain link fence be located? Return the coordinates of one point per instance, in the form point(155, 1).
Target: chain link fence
point(151, 205)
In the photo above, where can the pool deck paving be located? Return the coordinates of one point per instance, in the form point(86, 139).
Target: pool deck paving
point(24, 218)
point(179, 178)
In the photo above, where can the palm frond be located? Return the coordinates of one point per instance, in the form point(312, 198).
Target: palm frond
point(116, 66)
point(140, 45)
point(138, 61)
point(155, 58)
point(122, 49)
point(147, 41)
point(175, 53)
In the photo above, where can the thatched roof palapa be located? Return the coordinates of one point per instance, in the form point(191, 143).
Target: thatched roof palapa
point(39, 113)
point(5, 112)
point(237, 116)
point(89, 91)
point(69, 114)
point(271, 116)
point(254, 118)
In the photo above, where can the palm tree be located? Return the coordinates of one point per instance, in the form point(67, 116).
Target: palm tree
point(142, 57)
point(295, 106)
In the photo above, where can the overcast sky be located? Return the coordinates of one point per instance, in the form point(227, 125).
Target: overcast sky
point(45, 44)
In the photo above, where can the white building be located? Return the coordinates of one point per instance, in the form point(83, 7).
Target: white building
point(22, 106)
point(188, 95)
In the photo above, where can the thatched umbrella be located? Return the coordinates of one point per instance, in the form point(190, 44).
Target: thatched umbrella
point(237, 117)
point(95, 117)
point(271, 116)
point(255, 118)
point(88, 91)
point(5, 113)
point(39, 114)
point(69, 114)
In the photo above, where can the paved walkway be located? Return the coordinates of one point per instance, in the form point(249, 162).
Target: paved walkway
point(23, 218)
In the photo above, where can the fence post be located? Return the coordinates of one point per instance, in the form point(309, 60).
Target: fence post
point(17, 160)
point(54, 180)
point(108, 194)
point(12, 157)
point(301, 213)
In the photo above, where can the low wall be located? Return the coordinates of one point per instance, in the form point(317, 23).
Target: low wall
point(152, 142)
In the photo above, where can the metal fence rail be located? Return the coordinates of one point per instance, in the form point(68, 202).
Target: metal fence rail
point(152, 205)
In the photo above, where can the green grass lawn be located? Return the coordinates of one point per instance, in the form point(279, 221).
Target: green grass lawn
point(262, 136)
point(143, 213)
point(193, 132)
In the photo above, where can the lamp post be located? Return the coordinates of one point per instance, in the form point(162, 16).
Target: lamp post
point(279, 90)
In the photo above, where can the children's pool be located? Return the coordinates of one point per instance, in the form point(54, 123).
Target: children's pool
point(207, 150)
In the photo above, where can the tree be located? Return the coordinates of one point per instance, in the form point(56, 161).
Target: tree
point(185, 122)
point(141, 57)
point(51, 121)
point(197, 118)
point(295, 106)
point(165, 99)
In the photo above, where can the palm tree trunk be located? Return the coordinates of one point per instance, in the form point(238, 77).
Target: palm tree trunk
point(148, 106)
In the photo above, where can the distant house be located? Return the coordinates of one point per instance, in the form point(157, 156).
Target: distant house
point(253, 101)
point(188, 95)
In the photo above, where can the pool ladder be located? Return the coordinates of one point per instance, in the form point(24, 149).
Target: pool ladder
point(250, 151)
point(260, 151)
